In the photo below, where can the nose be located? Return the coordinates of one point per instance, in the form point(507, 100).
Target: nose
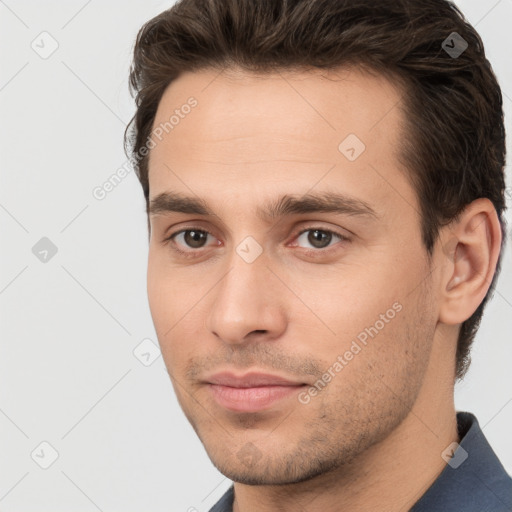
point(248, 303)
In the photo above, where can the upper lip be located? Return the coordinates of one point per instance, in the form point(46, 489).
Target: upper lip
point(250, 380)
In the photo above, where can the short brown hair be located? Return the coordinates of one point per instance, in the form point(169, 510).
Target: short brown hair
point(454, 143)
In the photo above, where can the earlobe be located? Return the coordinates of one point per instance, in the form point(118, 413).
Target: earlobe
point(470, 258)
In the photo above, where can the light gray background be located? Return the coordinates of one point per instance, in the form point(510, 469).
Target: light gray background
point(69, 326)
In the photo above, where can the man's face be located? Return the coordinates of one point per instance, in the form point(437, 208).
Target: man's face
point(338, 303)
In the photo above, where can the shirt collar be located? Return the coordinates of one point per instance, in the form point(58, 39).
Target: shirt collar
point(473, 479)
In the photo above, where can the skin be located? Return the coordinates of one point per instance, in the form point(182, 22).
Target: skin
point(372, 438)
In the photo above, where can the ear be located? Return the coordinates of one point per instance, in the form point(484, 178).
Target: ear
point(471, 246)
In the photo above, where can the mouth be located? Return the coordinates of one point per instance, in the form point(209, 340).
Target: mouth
point(251, 392)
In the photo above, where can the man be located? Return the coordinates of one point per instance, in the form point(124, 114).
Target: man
point(325, 191)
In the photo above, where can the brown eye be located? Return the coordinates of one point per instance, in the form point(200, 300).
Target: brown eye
point(194, 238)
point(189, 242)
point(319, 238)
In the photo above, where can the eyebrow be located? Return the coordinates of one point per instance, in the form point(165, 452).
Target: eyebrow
point(328, 202)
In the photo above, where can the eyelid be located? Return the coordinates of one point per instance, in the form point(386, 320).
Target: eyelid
point(320, 228)
point(308, 251)
point(190, 253)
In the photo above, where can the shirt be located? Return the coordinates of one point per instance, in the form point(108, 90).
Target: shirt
point(473, 480)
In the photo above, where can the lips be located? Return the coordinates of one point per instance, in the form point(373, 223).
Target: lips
point(250, 380)
point(252, 392)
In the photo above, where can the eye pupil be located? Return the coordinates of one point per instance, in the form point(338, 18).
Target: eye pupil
point(314, 239)
point(193, 238)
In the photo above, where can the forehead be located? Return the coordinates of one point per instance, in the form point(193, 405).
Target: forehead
point(283, 130)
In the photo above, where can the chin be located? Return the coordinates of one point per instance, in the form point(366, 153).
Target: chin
point(268, 470)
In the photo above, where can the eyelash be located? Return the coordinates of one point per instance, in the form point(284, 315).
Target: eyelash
point(308, 252)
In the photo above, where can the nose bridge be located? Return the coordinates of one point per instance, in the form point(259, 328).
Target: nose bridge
point(244, 301)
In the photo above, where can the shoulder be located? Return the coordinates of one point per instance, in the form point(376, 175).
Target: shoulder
point(474, 480)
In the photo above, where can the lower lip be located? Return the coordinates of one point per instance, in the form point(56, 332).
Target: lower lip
point(251, 399)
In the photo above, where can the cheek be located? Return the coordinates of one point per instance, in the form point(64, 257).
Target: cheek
point(370, 318)
point(389, 364)
point(159, 298)
point(165, 294)
point(174, 312)
point(346, 302)
point(163, 303)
